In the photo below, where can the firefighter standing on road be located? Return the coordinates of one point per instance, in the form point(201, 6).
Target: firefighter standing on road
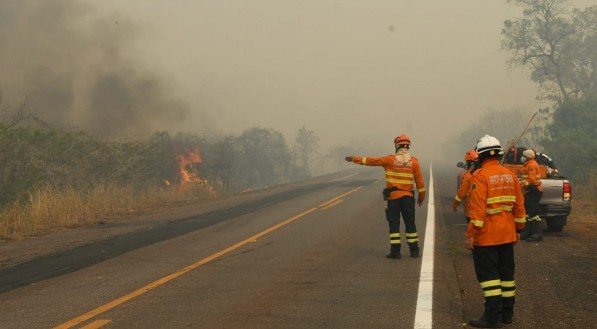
point(471, 158)
point(496, 213)
point(531, 183)
point(402, 172)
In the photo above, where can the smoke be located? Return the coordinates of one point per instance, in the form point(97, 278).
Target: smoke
point(68, 62)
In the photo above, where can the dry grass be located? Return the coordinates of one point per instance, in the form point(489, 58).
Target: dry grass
point(48, 209)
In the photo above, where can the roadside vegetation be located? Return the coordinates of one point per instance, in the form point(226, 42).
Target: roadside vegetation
point(52, 177)
point(557, 45)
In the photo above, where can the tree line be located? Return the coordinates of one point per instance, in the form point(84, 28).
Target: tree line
point(557, 45)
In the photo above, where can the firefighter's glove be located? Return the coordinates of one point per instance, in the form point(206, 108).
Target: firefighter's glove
point(421, 198)
point(455, 205)
point(349, 158)
point(469, 243)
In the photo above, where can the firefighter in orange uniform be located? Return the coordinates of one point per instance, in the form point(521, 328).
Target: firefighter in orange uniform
point(531, 184)
point(496, 214)
point(470, 158)
point(402, 173)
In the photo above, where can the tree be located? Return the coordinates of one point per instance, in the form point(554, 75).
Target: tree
point(219, 156)
point(305, 148)
point(558, 46)
point(264, 158)
point(572, 139)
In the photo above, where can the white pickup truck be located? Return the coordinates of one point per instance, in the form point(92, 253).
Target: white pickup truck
point(555, 202)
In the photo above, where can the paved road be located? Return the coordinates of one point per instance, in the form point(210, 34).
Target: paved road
point(309, 259)
point(324, 267)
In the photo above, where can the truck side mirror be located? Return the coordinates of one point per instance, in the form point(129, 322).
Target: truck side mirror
point(460, 165)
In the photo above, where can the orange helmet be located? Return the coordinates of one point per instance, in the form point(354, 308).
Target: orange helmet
point(471, 156)
point(402, 140)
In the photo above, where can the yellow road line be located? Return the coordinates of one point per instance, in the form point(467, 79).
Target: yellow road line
point(332, 204)
point(96, 324)
point(123, 299)
point(339, 197)
point(106, 307)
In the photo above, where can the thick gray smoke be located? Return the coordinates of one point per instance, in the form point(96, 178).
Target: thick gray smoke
point(67, 61)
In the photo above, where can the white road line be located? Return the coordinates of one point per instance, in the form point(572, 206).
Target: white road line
point(333, 180)
point(424, 315)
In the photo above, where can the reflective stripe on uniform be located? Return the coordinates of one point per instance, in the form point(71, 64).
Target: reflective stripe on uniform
point(395, 238)
point(421, 190)
point(493, 211)
point(477, 223)
point(399, 181)
point(408, 240)
point(508, 284)
point(511, 293)
point(520, 220)
point(503, 198)
point(489, 283)
point(457, 198)
point(493, 292)
point(364, 160)
point(508, 288)
point(399, 174)
point(412, 235)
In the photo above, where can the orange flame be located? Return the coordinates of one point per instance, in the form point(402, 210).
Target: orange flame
point(186, 159)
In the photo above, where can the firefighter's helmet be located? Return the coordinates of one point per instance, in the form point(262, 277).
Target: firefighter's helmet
point(489, 146)
point(402, 140)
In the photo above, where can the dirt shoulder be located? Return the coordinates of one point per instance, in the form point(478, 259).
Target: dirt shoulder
point(19, 251)
point(556, 280)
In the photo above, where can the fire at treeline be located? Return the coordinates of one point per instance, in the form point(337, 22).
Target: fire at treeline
point(40, 155)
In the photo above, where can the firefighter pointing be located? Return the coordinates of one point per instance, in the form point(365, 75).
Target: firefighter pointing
point(496, 210)
point(402, 174)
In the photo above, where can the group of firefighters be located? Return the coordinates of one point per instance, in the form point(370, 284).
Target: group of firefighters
point(497, 207)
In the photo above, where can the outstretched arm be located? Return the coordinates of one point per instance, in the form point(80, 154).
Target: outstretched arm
point(369, 161)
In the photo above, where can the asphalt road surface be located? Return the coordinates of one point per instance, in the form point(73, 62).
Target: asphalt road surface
point(313, 258)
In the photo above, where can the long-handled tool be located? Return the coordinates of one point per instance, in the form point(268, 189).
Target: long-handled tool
point(513, 142)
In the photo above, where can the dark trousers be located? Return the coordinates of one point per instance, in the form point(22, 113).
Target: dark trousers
point(494, 266)
point(404, 206)
point(531, 202)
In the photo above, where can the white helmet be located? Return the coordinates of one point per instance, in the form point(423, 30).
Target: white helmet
point(489, 146)
point(529, 154)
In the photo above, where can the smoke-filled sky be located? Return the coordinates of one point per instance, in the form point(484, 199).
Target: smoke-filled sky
point(348, 69)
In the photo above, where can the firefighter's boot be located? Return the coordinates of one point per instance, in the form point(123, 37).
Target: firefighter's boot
point(394, 252)
point(483, 323)
point(507, 310)
point(526, 232)
point(537, 231)
point(414, 250)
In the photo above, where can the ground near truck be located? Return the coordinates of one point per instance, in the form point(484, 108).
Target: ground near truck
point(556, 281)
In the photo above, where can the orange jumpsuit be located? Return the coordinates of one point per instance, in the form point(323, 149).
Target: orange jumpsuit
point(496, 210)
point(463, 191)
point(532, 175)
point(496, 205)
point(402, 173)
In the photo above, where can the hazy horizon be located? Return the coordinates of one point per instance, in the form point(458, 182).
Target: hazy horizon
point(349, 70)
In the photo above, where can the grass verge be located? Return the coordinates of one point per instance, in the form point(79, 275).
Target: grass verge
point(48, 209)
